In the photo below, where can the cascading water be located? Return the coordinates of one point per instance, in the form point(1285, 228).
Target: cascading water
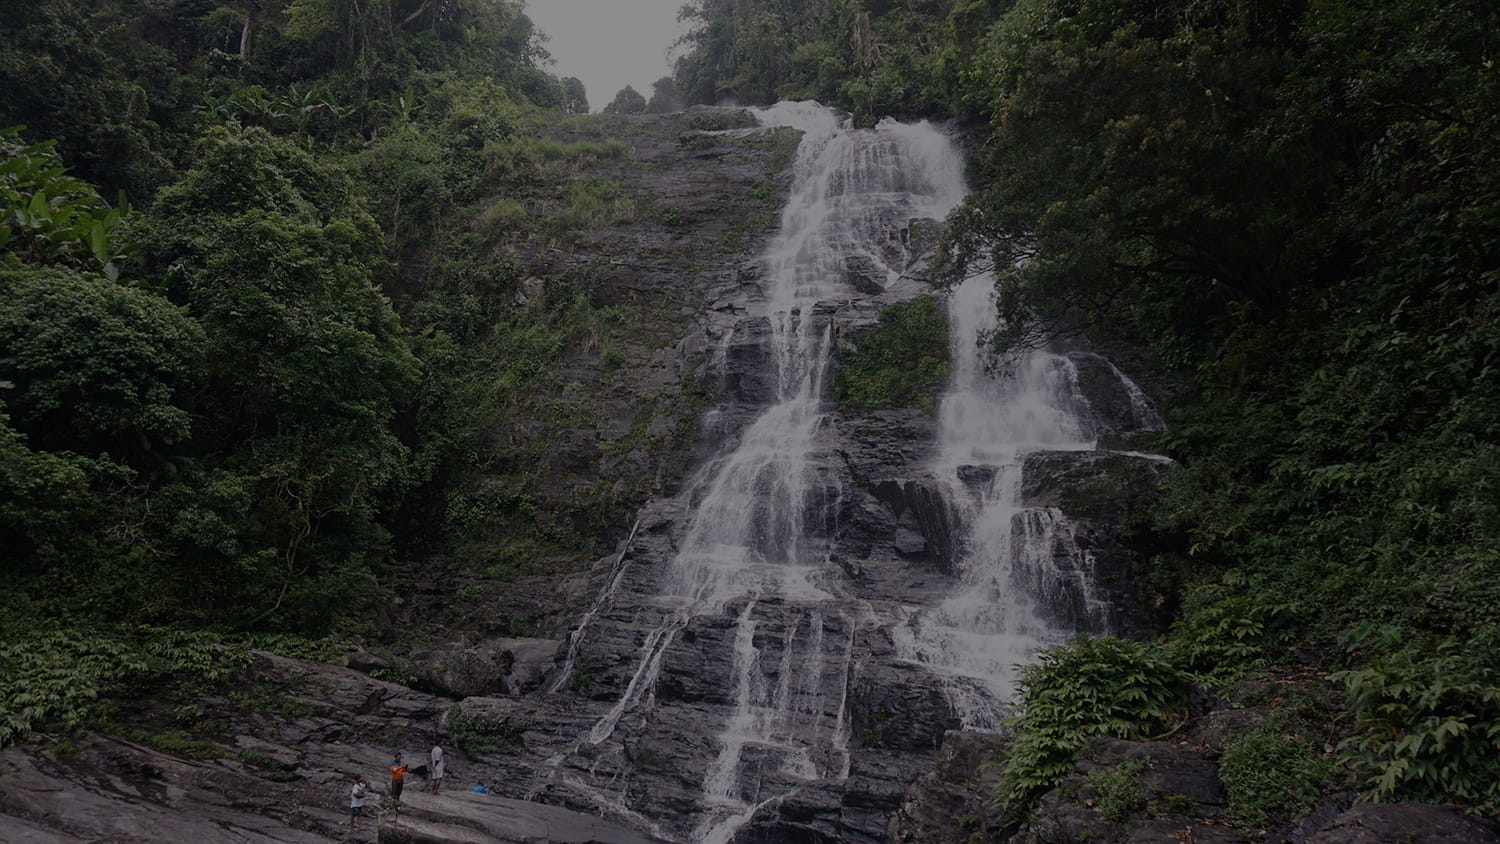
point(756, 544)
point(738, 650)
point(988, 424)
point(760, 533)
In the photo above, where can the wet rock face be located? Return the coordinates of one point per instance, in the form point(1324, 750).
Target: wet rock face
point(926, 525)
point(800, 711)
point(864, 275)
point(952, 802)
point(899, 707)
point(1085, 572)
point(1116, 408)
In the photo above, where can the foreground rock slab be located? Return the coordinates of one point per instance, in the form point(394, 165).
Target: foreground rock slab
point(291, 737)
point(482, 819)
point(117, 791)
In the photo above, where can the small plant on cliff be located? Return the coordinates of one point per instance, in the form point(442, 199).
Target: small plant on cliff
point(1076, 692)
point(480, 735)
point(902, 362)
point(1118, 791)
point(1271, 774)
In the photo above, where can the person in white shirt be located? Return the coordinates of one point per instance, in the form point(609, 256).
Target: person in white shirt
point(437, 765)
point(357, 804)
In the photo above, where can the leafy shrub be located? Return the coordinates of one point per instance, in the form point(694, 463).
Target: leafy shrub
point(902, 362)
point(257, 759)
point(396, 674)
point(294, 645)
point(179, 743)
point(63, 678)
point(1270, 775)
point(1427, 721)
point(47, 216)
point(1223, 633)
point(1086, 688)
point(480, 735)
point(1118, 791)
point(96, 367)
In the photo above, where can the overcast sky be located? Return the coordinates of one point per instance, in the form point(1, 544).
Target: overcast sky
point(608, 44)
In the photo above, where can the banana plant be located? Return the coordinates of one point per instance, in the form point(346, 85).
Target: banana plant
point(47, 216)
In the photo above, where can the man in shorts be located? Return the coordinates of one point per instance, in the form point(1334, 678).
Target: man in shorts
point(357, 804)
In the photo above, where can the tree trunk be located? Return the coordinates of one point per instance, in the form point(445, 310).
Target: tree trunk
point(245, 38)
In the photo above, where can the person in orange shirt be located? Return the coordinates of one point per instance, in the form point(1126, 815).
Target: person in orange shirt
point(398, 780)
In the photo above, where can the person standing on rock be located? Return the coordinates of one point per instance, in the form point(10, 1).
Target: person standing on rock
point(398, 781)
point(437, 765)
point(357, 804)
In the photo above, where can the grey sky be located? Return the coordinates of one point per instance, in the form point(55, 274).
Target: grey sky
point(608, 44)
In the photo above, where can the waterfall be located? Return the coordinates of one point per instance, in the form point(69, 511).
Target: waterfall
point(987, 426)
point(761, 531)
point(733, 635)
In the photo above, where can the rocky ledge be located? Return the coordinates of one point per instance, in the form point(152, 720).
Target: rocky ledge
point(290, 738)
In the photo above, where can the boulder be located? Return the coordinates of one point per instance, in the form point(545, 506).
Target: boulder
point(459, 670)
point(1405, 823)
point(1178, 784)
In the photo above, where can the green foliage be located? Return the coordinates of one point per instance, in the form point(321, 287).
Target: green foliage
point(1118, 792)
point(47, 216)
point(1273, 776)
point(178, 743)
point(1286, 205)
point(1427, 719)
point(294, 645)
point(257, 759)
point(49, 512)
point(1224, 633)
point(876, 59)
point(588, 203)
point(84, 74)
point(270, 510)
point(902, 362)
point(1172, 803)
point(480, 735)
point(575, 98)
point(626, 101)
point(396, 674)
point(64, 678)
point(664, 97)
point(125, 86)
point(95, 367)
point(1075, 692)
point(305, 363)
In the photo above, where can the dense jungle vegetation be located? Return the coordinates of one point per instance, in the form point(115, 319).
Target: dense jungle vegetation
point(225, 405)
point(222, 399)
